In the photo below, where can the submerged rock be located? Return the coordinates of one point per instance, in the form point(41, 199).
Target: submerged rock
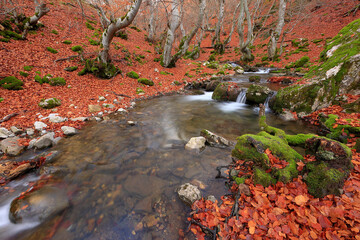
point(257, 94)
point(38, 205)
point(188, 193)
point(195, 143)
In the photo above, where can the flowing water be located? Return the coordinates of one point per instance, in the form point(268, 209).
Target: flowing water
point(121, 179)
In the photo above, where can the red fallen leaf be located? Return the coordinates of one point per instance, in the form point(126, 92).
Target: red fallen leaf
point(324, 221)
point(301, 200)
point(301, 165)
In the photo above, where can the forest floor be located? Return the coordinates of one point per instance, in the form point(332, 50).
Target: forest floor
point(327, 218)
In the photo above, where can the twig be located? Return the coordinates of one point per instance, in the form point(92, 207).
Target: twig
point(67, 58)
point(205, 229)
point(7, 118)
point(118, 94)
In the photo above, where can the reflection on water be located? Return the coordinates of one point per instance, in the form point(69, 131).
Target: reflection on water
point(121, 179)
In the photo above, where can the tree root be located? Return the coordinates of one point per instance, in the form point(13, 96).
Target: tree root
point(353, 10)
point(205, 229)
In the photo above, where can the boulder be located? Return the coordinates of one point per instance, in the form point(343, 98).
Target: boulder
point(39, 126)
point(69, 131)
point(38, 205)
point(45, 141)
point(15, 130)
point(49, 103)
point(239, 70)
point(211, 86)
point(214, 140)
point(255, 79)
point(11, 146)
point(196, 143)
point(188, 193)
point(226, 92)
point(257, 94)
point(94, 108)
point(287, 115)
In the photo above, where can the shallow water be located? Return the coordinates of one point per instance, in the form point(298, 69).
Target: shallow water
point(121, 179)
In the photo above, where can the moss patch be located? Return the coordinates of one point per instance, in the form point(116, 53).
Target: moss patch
point(133, 75)
point(11, 83)
point(146, 81)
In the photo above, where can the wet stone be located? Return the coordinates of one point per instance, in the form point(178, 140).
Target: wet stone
point(11, 146)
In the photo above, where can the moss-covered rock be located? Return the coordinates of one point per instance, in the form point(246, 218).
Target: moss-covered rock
point(323, 180)
point(338, 74)
point(263, 178)
point(211, 86)
point(49, 103)
point(71, 69)
point(11, 83)
point(57, 81)
point(257, 94)
point(146, 81)
point(254, 79)
point(338, 131)
point(99, 69)
point(133, 75)
point(357, 145)
point(226, 92)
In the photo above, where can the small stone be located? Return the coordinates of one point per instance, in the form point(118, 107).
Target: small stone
point(4, 133)
point(39, 126)
point(82, 119)
point(100, 114)
point(211, 198)
point(244, 189)
point(102, 98)
point(121, 110)
point(16, 130)
point(195, 143)
point(94, 108)
point(188, 193)
point(131, 123)
point(115, 101)
point(106, 105)
point(156, 70)
point(56, 119)
point(97, 119)
point(69, 131)
point(132, 104)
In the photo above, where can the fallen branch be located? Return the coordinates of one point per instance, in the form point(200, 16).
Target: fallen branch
point(7, 118)
point(118, 94)
point(205, 229)
point(353, 10)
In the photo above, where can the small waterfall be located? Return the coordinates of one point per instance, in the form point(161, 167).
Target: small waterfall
point(241, 98)
point(271, 95)
point(263, 71)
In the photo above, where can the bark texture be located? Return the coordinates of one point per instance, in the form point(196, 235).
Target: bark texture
point(275, 35)
point(40, 11)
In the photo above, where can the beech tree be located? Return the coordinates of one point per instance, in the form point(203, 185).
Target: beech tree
point(174, 19)
point(216, 38)
point(153, 12)
point(40, 11)
point(244, 43)
point(275, 34)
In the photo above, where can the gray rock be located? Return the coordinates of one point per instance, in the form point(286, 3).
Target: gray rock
point(38, 205)
point(39, 126)
point(30, 131)
point(214, 140)
point(107, 105)
point(239, 70)
point(131, 123)
point(188, 193)
point(4, 133)
point(102, 98)
point(211, 198)
point(94, 108)
point(287, 115)
point(195, 143)
point(55, 118)
point(57, 140)
point(45, 141)
point(69, 131)
point(11, 147)
point(16, 130)
point(121, 110)
point(31, 143)
point(82, 119)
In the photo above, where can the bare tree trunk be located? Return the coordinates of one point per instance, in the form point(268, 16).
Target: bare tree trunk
point(153, 12)
point(233, 25)
point(275, 35)
point(40, 11)
point(185, 41)
point(173, 24)
point(82, 8)
point(115, 26)
point(216, 38)
point(244, 44)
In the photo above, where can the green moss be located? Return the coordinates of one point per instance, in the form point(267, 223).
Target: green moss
point(77, 48)
point(71, 69)
point(49, 103)
point(99, 69)
point(239, 180)
point(54, 32)
point(135, 28)
point(133, 75)
point(257, 94)
point(6, 40)
point(337, 132)
point(146, 81)
point(28, 68)
point(67, 42)
point(212, 65)
point(51, 50)
point(322, 180)
point(317, 40)
point(89, 26)
point(10, 34)
point(299, 139)
point(139, 90)
point(220, 92)
point(1, 99)
point(177, 83)
point(94, 42)
point(122, 35)
point(263, 178)
point(57, 81)
point(24, 74)
point(254, 78)
point(165, 73)
point(11, 83)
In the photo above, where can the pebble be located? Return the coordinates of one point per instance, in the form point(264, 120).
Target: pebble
point(39, 126)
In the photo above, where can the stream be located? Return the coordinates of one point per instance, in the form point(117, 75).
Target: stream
point(121, 179)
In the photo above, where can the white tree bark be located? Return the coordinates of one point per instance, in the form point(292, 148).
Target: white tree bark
point(244, 44)
point(219, 23)
point(40, 11)
point(153, 11)
point(275, 35)
point(114, 26)
point(185, 41)
point(173, 24)
point(233, 25)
